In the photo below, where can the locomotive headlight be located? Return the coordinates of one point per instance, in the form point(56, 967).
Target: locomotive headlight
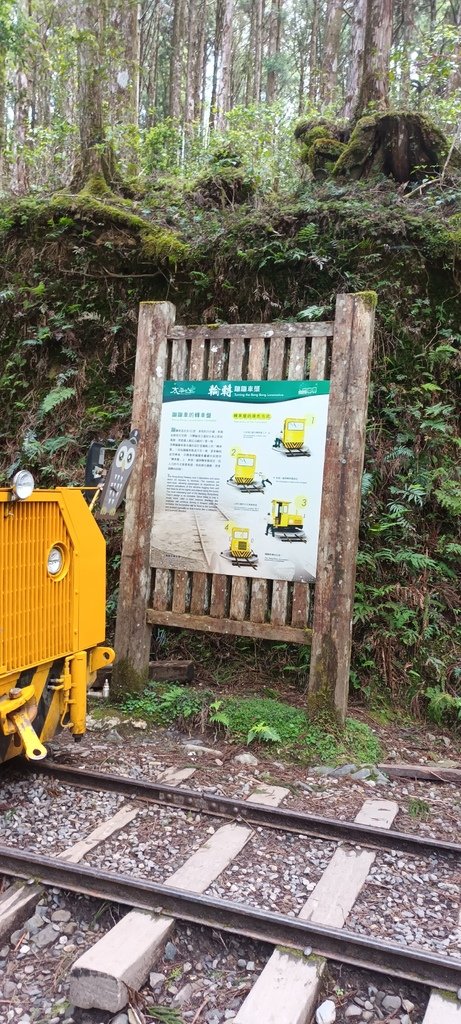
point(23, 484)
point(55, 561)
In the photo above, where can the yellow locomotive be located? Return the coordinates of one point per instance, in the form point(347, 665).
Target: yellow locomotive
point(292, 436)
point(52, 614)
point(284, 524)
point(240, 552)
point(245, 478)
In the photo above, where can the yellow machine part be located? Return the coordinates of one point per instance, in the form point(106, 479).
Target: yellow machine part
point(281, 515)
point(240, 545)
point(50, 624)
point(245, 466)
point(293, 433)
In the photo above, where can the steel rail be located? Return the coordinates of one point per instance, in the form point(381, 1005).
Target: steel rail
point(263, 925)
point(258, 815)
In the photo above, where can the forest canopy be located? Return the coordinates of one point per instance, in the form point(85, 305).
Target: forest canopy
point(137, 89)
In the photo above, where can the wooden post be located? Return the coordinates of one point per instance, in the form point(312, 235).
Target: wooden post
point(340, 510)
point(132, 633)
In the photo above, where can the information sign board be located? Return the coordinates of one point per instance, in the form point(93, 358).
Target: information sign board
point(239, 477)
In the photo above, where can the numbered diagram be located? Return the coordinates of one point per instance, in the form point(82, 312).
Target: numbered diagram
point(240, 552)
point(286, 521)
point(292, 437)
point(245, 477)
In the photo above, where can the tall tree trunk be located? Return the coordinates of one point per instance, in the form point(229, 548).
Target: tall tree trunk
point(331, 49)
point(408, 35)
point(454, 83)
point(374, 87)
point(95, 162)
point(223, 85)
point(20, 132)
point(258, 50)
point(275, 24)
point(356, 50)
point(200, 57)
point(313, 53)
point(176, 60)
point(192, 34)
point(125, 23)
point(217, 45)
point(3, 90)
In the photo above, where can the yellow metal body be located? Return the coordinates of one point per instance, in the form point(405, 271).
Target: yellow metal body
point(240, 546)
point(50, 623)
point(282, 518)
point(293, 433)
point(245, 468)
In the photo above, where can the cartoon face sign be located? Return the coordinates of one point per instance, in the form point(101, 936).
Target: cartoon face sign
point(116, 481)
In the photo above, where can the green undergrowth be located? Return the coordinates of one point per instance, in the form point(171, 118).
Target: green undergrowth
point(75, 268)
point(252, 719)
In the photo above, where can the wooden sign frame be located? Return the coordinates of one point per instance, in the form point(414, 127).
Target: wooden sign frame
point(264, 609)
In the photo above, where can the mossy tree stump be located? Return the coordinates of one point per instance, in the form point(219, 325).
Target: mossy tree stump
point(401, 145)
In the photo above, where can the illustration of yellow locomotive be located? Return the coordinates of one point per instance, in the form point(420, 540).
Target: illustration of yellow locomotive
point(240, 552)
point(292, 437)
point(52, 614)
point(245, 478)
point(287, 526)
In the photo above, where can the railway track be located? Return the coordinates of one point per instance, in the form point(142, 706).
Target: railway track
point(183, 895)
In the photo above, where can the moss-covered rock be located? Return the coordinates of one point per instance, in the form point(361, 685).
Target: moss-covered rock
point(223, 186)
point(100, 207)
point(323, 155)
point(403, 145)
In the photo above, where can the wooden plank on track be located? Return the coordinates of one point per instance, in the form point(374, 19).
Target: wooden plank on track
point(288, 988)
point(232, 627)
point(442, 1008)
point(174, 776)
point(425, 772)
point(119, 820)
point(122, 959)
point(18, 902)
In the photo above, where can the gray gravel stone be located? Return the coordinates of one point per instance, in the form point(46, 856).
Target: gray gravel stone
point(326, 1012)
point(344, 769)
point(120, 1018)
point(184, 995)
point(363, 773)
point(245, 758)
point(391, 1003)
point(170, 951)
point(353, 1011)
point(156, 980)
point(44, 937)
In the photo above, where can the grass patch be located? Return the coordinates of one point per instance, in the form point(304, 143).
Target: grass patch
point(261, 720)
point(419, 809)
